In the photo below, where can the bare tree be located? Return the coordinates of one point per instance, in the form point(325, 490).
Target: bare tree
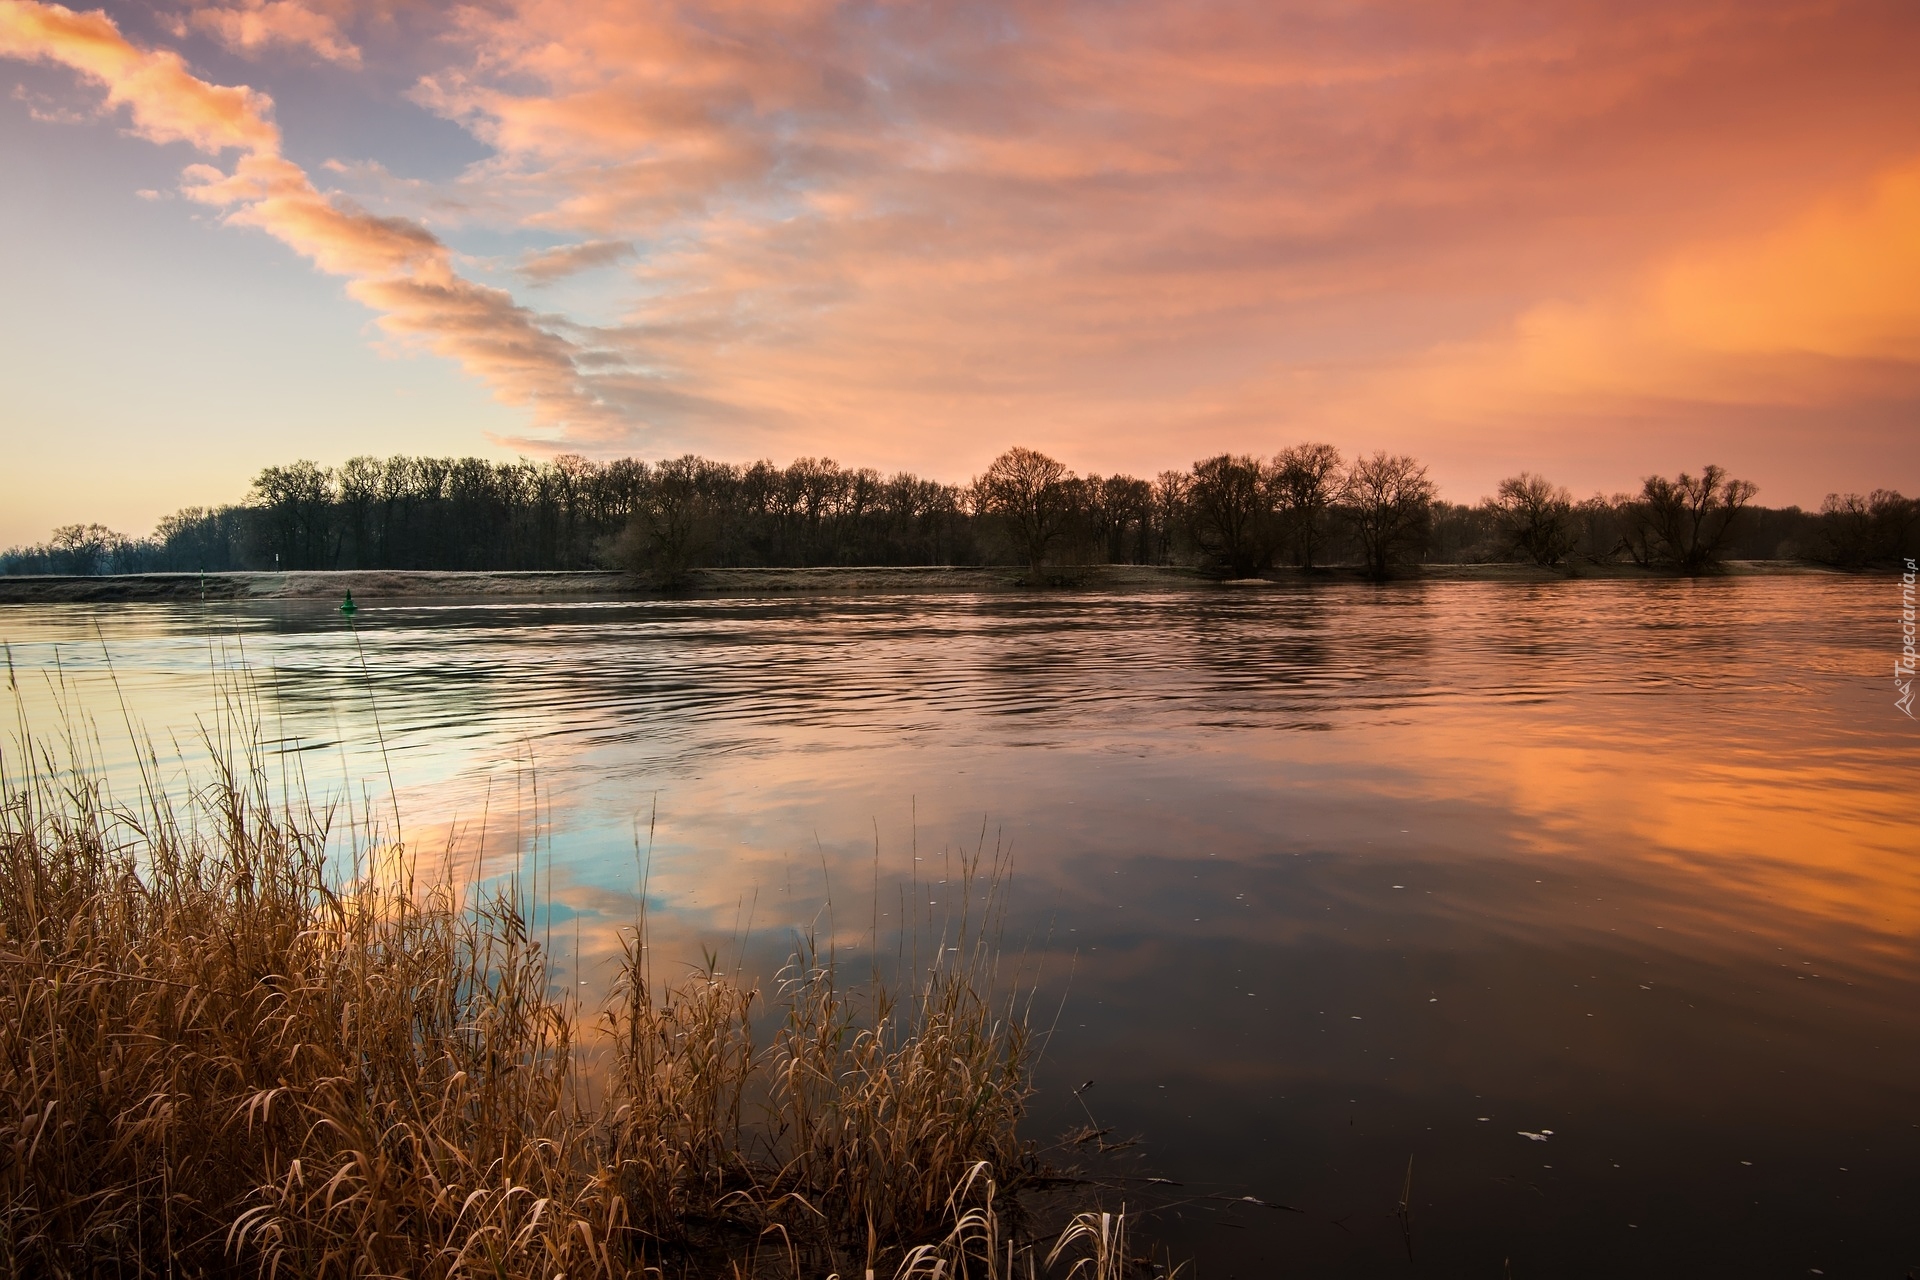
point(359, 491)
point(1032, 496)
point(1306, 484)
point(1536, 517)
point(86, 549)
point(1169, 513)
point(674, 522)
point(297, 501)
point(1639, 534)
point(1857, 531)
point(1684, 522)
point(202, 538)
point(1387, 499)
point(1230, 510)
point(815, 491)
point(1597, 525)
point(1120, 511)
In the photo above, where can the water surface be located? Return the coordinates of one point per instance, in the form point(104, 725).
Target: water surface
point(1330, 878)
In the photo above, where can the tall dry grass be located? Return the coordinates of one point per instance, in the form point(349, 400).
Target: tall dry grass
point(220, 1054)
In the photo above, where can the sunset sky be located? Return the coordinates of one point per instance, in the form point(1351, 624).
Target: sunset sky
point(1591, 239)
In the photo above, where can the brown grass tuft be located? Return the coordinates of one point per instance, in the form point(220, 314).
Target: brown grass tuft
point(219, 1056)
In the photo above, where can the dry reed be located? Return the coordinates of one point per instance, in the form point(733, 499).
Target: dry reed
point(221, 1056)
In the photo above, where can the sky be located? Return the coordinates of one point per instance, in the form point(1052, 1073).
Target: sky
point(1591, 240)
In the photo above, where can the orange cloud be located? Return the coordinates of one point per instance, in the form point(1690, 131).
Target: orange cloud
point(1822, 310)
point(393, 265)
point(1137, 232)
point(167, 103)
point(259, 24)
point(1137, 236)
point(1841, 281)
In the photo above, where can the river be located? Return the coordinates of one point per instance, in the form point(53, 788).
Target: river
point(1583, 916)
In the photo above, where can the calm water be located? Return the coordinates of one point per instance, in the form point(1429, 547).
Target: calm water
point(1340, 876)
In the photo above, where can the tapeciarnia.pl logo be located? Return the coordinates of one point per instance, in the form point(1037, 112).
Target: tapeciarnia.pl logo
point(1903, 665)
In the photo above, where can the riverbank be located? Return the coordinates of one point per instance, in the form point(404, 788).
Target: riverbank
point(376, 584)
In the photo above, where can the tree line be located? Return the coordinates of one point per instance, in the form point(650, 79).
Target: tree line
point(1234, 515)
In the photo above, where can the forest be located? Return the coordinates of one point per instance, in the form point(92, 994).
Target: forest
point(1233, 515)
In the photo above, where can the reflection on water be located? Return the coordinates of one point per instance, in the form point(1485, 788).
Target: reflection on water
point(1337, 872)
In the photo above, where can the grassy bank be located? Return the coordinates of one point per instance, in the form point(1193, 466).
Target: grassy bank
point(376, 584)
point(222, 1053)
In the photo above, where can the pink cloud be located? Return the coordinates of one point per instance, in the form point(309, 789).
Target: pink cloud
point(557, 264)
point(260, 24)
point(1134, 232)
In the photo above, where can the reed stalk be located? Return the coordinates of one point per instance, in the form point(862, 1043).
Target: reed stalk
point(222, 1055)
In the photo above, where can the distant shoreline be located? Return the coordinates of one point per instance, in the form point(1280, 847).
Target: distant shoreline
point(379, 584)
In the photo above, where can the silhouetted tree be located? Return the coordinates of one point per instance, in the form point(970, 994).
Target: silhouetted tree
point(1536, 518)
point(1169, 514)
point(1232, 512)
point(1459, 533)
point(1230, 503)
point(1856, 531)
point(1599, 528)
point(1684, 522)
point(214, 539)
point(1306, 483)
point(919, 522)
point(678, 519)
point(1120, 511)
point(359, 489)
point(1386, 499)
point(86, 549)
point(296, 502)
point(1032, 496)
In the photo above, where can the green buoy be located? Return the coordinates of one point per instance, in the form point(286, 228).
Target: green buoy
point(348, 607)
